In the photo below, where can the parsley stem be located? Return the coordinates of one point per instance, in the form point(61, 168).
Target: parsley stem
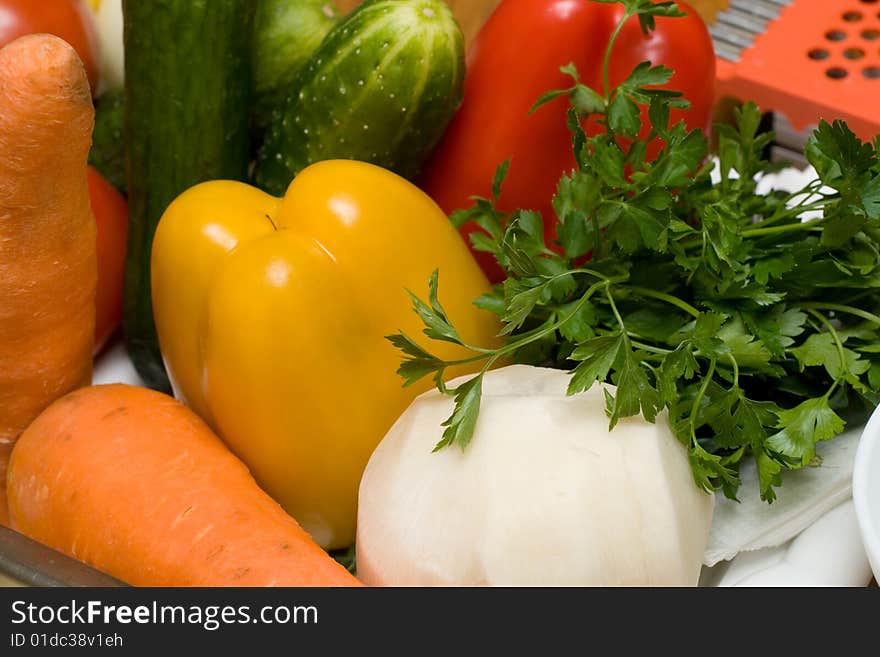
point(614, 307)
point(849, 310)
point(592, 272)
point(785, 228)
point(649, 348)
point(789, 213)
point(548, 327)
point(844, 370)
point(668, 298)
point(735, 367)
point(699, 398)
point(606, 65)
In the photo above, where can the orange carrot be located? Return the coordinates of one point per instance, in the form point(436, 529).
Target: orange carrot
point(135, 484)
point(5, 449)
point(47, 232)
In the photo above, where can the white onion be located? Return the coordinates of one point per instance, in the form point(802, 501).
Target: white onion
point(543, 496)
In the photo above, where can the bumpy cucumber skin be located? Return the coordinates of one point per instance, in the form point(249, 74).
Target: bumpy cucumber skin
point(382, 88)
point(107, 154)
point(286, 33)
point(187, 120)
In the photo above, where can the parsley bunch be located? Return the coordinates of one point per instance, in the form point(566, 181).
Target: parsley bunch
point(753, 320)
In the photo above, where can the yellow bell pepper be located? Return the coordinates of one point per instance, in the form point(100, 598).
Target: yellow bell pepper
point(271, 315)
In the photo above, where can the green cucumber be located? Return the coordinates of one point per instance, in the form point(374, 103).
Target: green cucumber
point(286, 33)
point(107, 154)
point(187, 120)
point(382, 87)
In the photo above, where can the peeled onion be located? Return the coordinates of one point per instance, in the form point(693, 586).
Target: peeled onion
point(544, 495)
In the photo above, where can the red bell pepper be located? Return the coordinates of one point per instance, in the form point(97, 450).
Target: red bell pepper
point(515, 58)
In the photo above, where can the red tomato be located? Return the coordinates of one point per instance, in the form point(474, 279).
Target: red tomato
point(111, 215)
point(71, 20)
point(515, 58)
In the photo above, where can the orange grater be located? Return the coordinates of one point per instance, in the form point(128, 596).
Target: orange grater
point(804, 59)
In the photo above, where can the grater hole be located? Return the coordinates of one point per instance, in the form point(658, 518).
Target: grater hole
point(871, 35)
point(853, 53)
point(871, 72)
point(869, 2)
point(818, 54)
point(837, 35)
point(852, 16)
point(836, 73)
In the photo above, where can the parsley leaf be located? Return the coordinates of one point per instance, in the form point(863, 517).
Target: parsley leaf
point(802, 427)
point(460, 426)
point(750, 319)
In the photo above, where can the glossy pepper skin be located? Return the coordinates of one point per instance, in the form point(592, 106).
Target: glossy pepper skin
point(516, 58)
point(271, 315)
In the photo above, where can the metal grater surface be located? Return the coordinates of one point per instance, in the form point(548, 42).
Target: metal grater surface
point(735, 28)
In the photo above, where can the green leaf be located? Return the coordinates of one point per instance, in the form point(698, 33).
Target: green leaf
point(742, 147)
point(871, 198)
point(839, 229)
point(586, 101)
point(578, 138)
point(575, 234)
point(460, 217)
point(677, 366)
point(636, 228)
point(571, 71)
point(704, 334)
point(481, 212)
point(838, 155)
point(576, 198)
point(655, 198)
point(582, 318)
point(461, 424)
point(710, 472)
point(655, 322)
point(769, 475)
point(802, 427)
point(777, 328)
point(597, 356)
point(683, 154)
point(417, 362)
point(489, 219)
point(748, 119)
point(644, 75)
point(520, 307)
point(547, 97)
point(821, 350)
point(744, 346)
point(437, 324)
point(492, 301)
point(500, 177)
point(634, 392)
point(484, 243)
point(531, 224)
point(608, 163)
point(659, 115)
point(874, 376)
point(623, 116)
point(758, 294)
point(517, 261)
point(775, 267)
